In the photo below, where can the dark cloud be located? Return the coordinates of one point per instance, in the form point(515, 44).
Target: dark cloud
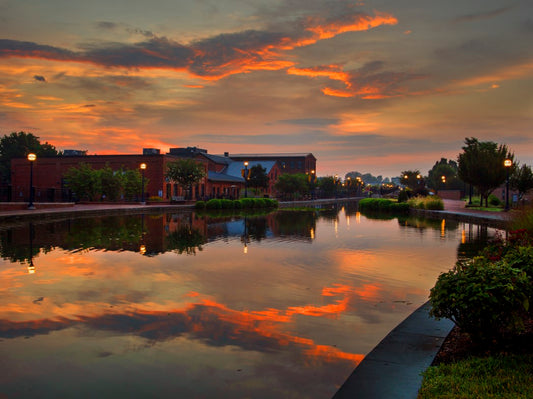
point(482, 15)
point(106, 25)
point(212, 57)
point(16, 48)
point(39, 78)
point(154, 53)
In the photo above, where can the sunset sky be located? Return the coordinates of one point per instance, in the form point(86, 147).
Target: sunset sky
point(378, 86)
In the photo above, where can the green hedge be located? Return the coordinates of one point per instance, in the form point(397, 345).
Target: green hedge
point(243, 203)
point(382, 205)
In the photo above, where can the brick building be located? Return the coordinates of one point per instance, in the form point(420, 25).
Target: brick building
point(223, 173)
point(49, 184)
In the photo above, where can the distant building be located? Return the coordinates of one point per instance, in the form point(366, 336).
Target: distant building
point(289, 162)
point(224, 178)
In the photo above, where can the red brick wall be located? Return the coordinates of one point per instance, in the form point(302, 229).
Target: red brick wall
point(48, 172)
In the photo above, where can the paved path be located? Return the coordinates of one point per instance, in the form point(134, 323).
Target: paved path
point(393, 369)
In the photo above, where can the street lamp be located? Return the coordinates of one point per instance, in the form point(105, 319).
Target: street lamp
point(443, 179)
point(507, 163)
point(245, 179)
point(143, 168)
point(31, 157)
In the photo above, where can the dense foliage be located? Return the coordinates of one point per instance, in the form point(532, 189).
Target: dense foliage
point(19, 145)
point(98, 184)
point(243, 203)
point(481, 164)
point(489, 296)
point(258, 177)
point(185, 172)
point(292, 186)
point(382, 205)
point(431, 202)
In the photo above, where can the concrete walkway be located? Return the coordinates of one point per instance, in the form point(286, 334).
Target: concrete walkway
point(393, 369)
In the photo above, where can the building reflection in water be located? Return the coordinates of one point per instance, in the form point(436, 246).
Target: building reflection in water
point(306, 304)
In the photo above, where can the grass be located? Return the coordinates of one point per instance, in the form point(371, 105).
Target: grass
point(492, 377)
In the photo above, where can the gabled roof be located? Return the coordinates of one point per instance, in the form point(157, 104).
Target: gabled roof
point(235, 168)
point(223, 177)
point(219, 159)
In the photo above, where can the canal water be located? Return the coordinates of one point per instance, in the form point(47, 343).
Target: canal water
point(189, 305)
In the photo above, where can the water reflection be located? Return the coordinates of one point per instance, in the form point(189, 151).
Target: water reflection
point(190, 305)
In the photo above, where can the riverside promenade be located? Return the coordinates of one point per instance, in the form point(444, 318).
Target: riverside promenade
point(392, 370)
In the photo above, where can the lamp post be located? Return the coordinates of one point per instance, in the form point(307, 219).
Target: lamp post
point(31, 157)
point(245, 179)
point(143, 168)
point(443, 179)
point(507, 163)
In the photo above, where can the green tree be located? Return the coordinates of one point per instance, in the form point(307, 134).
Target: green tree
point(292, 185)
point(258, 177)
point(109, 183)
point(19, 145)
point(522, 180)
point(481, 164)
point(412, 179)
point(132, 181)
point(83, 181)
point(448, 169)
point(185, 172)
point(328, 186)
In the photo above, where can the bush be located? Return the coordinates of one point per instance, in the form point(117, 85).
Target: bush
point(200, 205)
point(431, 202)
point(524, 220)
point(213, 204)
point(404, 195)
point(382, 205)
point(488, 300)
point(494, 201)
point(226, 204)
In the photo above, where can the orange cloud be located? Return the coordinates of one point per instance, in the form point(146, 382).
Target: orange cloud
point(354, 23)
point(332, 72)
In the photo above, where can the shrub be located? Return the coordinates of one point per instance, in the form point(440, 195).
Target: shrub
point(237, 204)
point(259, 203)
point(524, 220)
point(487, 300)
point(382, 205)
point(213, 204)
point(226, 204)
point(200, 205)
point(494, 201)
point(247, 202)
point(404, 195)
point(433, 203)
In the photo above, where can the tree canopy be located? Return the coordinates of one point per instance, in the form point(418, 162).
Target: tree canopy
point(258, 177)
point(95, 184)
point(19, 145)
point(292, 185)
point(481, 164)
point(522, 180)
point(185, 172)
point(448, 169)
